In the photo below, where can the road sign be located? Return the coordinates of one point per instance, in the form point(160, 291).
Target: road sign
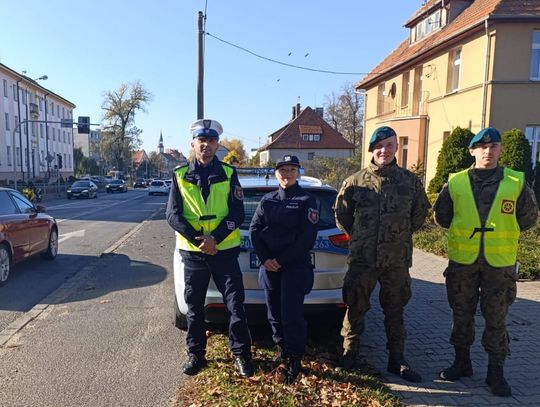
point(50, 158)
point(66, 123)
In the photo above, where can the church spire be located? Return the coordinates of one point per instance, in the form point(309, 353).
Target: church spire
point(160, 144)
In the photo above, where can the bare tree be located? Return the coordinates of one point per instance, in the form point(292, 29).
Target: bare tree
point(121, 134)
point(345, 112)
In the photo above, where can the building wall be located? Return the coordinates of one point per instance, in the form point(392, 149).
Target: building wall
point(33, 135)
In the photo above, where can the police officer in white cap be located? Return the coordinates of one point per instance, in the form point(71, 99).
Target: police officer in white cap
point(205, 209)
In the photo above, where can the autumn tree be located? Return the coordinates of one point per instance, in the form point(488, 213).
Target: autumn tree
point(236, 149)
point(345, 113)
point(120, 136)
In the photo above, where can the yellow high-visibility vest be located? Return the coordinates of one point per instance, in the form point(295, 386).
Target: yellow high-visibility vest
point(205, 216)
point(501, 231)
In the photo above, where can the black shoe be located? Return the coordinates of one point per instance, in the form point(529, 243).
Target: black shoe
point(349, 360)
point(244, 366)
point(194, 364)
point(495, 379)
point(292, 369)
point(462, 366)
point(398, 365)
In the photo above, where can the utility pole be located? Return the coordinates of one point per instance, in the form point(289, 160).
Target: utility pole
point(200, 82)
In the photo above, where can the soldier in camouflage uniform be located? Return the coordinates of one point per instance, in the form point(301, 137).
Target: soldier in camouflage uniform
point(380, 207)
point(485, 208)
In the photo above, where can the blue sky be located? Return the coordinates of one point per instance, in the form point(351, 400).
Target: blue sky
point(88, 47)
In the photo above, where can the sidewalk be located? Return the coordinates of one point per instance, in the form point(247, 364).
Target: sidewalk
point(428, 322)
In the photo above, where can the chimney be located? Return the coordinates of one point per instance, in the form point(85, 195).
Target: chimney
point(297, 109)
point(293, 112)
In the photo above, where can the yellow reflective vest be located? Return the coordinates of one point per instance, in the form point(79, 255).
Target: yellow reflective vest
point(501, 231)
point(205, 216)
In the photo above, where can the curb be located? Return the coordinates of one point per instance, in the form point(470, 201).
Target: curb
point(66, 288)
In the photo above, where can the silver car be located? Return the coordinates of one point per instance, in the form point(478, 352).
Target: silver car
point(324, 304)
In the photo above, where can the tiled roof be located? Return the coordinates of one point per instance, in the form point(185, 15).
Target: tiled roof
point(137, 156)
point(425, 8)
point(308, 121)
point(473, 16)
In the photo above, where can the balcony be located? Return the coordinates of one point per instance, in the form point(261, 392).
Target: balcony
point(34, 110)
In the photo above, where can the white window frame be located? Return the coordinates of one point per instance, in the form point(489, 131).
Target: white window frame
point(8, 151)
point(454, 70)
point(5, 88)
point(535, 56)
point(532, 133)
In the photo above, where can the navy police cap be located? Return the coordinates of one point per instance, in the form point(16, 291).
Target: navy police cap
point(379, 134)
point(484, 136)
point(288, 160)
point(206, 128)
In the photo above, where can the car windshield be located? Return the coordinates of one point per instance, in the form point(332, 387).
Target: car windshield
point(157, 183)
point(117, 181)
point(81, 184)
point(325, 201)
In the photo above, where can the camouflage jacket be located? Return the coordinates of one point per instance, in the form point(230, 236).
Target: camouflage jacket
point(380, 208)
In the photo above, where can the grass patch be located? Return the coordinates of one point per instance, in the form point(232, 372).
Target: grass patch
point(319, 384)
point(432, 238)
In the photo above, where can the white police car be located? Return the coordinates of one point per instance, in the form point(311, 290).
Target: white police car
point(324, 304)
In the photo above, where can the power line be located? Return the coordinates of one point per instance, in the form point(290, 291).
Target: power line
point(284, 63)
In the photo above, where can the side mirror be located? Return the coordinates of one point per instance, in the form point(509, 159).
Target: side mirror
point(40, 209)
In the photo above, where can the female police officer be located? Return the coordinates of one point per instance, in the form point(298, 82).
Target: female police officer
point(283, 231)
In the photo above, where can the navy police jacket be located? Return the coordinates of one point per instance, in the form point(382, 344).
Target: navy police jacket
point(284, 226)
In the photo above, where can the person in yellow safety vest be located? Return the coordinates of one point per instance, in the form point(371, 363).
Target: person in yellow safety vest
point(484, 208)
point(205, 209)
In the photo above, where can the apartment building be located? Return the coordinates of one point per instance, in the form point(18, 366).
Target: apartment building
point(32, 135)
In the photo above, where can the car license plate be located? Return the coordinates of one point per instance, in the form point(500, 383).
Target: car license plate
point(254, 262)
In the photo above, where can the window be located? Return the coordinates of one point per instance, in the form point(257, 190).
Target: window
point(58, 110)
point(445, 136)
point(41, 130)
point(535, 56)
point(404, 145)
point(24, 96)
point(52, 109)
point(6, 115)
point(454, 70)
point(316, 137)
point(311, 137)
point(18, 156)
point(24, 204)
point(380, 99)
point(5, 88)
point(310, 156)
point(533, 135)
point(15, 95)
point(8, 152)
point(16, 124)
point(54, 134)
point(405, 89)
point(6, 204)
point(417, 91)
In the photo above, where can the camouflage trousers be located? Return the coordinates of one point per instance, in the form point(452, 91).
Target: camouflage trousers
point(495, 287)
point(394, 294)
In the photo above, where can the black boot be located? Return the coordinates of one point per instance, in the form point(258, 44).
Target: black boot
point(495, 379)
point(279, 355)
point(194, 364)
point(349, 360)
point(293, 368)
point(461, 367)
point(398, 365)
point(244, 365)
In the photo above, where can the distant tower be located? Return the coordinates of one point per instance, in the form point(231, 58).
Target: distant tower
point(160, 145)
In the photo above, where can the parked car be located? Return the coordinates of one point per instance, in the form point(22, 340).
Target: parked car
point(324, 304)
point(82, 189)
point(139, 183)
point(168, 182)
point(116, 185)
point(158, 187)
point(25, 230)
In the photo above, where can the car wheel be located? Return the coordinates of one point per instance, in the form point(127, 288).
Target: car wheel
point(5, 264)
point(68, 197)
point(180, 320)
point(52, 249)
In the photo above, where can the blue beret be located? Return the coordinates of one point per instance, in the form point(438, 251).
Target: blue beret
point(288, 160)
point(379, 134)
point(206, 128)
point(484, 136)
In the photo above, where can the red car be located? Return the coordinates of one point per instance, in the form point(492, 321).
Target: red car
point(25, 230)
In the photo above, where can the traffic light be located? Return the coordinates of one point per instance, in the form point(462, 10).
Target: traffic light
point(59, 157)
point(83, 125)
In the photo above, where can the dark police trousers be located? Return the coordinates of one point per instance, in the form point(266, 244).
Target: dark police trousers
point(285, 290)
point(228, 278)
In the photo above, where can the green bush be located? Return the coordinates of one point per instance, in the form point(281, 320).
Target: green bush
point(516, 153)
point(537, 183)
point(453, 157)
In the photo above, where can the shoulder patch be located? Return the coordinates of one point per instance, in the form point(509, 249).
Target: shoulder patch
point(238, 192)
point(313, 215)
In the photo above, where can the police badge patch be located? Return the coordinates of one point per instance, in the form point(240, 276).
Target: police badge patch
point(238, 193)
point(231, 225)
point(313, 215)
point(507, 207)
